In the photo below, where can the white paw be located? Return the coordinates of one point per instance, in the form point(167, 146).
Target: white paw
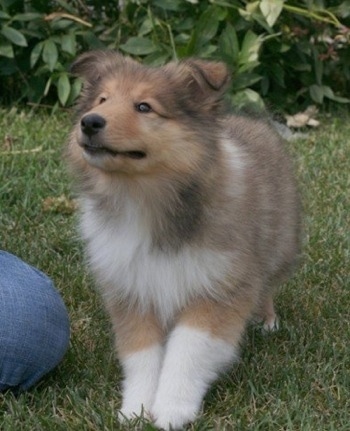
point(271, 325)
point(173, 416)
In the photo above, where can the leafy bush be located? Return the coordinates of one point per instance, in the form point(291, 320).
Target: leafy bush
point(288, 52)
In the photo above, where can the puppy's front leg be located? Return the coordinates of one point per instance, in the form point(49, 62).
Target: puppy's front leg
point(203, 344)
point(138, 338)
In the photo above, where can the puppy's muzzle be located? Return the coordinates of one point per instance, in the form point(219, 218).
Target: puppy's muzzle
point(91, 124)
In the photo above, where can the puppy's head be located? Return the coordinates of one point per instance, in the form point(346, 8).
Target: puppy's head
point(134, 119)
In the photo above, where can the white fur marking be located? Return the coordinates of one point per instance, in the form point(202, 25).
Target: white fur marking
point(120, 252)
point(141, 375)
point(192, 361)
point(234, 155)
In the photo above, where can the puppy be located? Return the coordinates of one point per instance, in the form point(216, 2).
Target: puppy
point(190, 217)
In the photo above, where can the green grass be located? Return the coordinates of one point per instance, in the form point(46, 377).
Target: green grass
point(295, 379)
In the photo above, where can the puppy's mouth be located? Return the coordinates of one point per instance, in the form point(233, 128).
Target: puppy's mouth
point(96, 151)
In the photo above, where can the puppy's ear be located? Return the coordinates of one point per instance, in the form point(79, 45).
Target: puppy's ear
point(202, 82)
point(209, 75)
point(92, 65)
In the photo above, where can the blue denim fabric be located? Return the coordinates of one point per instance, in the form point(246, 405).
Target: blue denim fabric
point(34, 325)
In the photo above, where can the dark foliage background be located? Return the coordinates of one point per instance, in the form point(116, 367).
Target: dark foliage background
point(288, 53)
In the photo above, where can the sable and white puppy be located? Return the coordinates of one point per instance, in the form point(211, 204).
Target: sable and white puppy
point(190, 217)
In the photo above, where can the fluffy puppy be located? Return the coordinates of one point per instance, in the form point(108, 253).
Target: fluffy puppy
point(190, 217)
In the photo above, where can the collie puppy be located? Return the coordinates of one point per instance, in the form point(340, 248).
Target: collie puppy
point(190, 217)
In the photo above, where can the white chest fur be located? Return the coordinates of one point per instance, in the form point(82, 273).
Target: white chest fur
point(127, 266)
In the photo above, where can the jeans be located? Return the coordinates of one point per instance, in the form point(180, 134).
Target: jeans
point(34, 325)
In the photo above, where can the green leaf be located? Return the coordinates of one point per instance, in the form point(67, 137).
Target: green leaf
point(138, 46)
point(340, 99)
point(92, 41)
point(228, 44)
point(246, 98)
point(302, 67)
point(28, 16)
point(271, 9)
point(250, 48)
point(343, 10)
point(205, 29)
point(60, 24)
point(66, 6)
point(146, 27)
point(14, 36)
point(157, 58)
point(68, 43)
point(247, 67)
point(63, 88)
point(75, 90)
point(184, 24)
point(35, 54)
point(278, 74)
point(50, 54)
point(6, 50)
point(316, 93)
point(245, 80)
point(250, 10)
point(253, 14)
point(4, 15)
point(206, 51)
point(328, 92)
point(172, 5)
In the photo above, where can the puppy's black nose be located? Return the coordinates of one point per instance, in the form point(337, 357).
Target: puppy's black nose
point(92, 123)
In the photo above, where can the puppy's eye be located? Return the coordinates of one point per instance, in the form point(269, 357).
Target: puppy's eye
point(102, 99)
point(143, 107)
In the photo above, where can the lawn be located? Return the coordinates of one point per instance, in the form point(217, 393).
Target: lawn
point(295, 379)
